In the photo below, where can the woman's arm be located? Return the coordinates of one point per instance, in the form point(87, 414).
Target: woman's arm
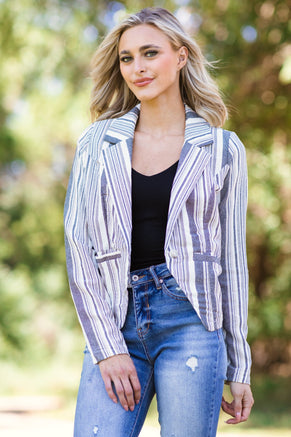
point(104, 340)
point(234, 276)
point(234, 282)
point(103, 337)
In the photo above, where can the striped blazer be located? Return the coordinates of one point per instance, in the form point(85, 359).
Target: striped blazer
point(205, 236)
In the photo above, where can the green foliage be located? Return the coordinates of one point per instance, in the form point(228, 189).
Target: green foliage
point(15, 304)
point(272, 403)
point(45, 47)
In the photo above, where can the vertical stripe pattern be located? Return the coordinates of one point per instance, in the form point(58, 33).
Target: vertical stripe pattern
point(205, 237)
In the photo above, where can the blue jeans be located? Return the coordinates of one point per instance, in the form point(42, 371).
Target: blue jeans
point(175, 357)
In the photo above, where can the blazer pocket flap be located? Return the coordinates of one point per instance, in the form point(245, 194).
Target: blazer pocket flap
point(107, 256)
point(197, 256)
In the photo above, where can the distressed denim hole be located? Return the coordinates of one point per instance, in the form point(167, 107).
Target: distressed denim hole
point(192, 363)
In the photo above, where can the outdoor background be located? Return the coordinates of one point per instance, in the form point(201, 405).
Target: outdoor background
point(46, 47)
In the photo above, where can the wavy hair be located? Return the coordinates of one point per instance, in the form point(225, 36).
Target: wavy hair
point(111, 97)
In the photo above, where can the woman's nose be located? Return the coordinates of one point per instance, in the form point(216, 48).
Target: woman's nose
point(139, 65)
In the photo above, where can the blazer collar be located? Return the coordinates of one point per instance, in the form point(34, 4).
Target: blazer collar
point(197, 130)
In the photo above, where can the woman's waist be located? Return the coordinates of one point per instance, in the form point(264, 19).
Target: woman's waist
point(154, 273)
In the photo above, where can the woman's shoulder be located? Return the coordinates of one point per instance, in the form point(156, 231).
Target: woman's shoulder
point(227, 139)
point(233, 142)
point(92, 135)
point(112, 128)
point(227, 147)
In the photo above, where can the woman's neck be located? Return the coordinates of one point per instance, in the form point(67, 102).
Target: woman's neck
point(160, 119)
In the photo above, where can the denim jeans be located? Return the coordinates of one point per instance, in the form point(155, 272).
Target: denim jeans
point(175, 357)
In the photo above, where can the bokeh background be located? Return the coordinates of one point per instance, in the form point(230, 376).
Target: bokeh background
point(46, 47)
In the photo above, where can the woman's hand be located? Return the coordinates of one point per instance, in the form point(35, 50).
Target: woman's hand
point(241, 405)
point(121, 371)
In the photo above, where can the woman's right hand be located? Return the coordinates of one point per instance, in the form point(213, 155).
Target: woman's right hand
point(120, 371)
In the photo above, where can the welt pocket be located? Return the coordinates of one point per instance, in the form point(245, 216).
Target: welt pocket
point(197, 256)
point(107, 255)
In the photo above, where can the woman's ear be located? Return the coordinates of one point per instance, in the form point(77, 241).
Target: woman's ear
point(182, 56)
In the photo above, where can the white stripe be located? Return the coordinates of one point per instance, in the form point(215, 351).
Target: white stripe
point(208, 193)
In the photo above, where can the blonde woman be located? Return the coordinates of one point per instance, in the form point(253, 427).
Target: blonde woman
point(155, 239)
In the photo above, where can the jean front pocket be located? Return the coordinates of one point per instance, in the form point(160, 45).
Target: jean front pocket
point(172, 289)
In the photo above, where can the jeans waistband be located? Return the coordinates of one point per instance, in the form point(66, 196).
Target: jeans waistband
point(153, 273)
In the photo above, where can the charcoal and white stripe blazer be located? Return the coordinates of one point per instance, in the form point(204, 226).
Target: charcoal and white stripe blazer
point(205, 236)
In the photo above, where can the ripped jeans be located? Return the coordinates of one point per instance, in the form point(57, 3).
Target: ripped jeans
point(175, 357)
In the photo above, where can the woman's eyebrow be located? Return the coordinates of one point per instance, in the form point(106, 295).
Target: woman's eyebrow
point(141, 49)
point(148, 46)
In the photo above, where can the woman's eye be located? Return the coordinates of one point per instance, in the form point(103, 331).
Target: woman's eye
point(126, 59)
point(151, 53)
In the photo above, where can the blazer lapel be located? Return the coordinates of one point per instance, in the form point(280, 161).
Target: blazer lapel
point(117, 153)
point(194, 158)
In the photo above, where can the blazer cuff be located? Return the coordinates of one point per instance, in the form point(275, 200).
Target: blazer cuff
point(238, 375)
point(102, 354)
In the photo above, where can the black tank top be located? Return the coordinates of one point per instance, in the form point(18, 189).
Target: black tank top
point(150, 204)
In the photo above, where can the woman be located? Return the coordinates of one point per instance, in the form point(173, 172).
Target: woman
point(155, 238)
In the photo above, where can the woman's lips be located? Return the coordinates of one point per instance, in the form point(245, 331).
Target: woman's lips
point(143, 82)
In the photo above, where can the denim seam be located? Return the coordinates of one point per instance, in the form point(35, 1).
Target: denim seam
point(148, 312)
point(140, 404)
point(166, 291)
point(215, 368)
point(146, 350)
point(141, 334)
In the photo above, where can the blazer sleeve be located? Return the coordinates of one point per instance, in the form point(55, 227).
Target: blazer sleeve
point(234, 276)
point(103, 337)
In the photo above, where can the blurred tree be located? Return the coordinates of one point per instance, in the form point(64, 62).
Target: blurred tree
point(46, 46)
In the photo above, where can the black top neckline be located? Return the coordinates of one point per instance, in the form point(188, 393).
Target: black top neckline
point(150, 205)
point(156, 174)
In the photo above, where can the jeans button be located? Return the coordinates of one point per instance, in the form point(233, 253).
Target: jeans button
point(135, 278)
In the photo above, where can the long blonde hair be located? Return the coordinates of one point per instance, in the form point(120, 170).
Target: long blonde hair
point(112, 98)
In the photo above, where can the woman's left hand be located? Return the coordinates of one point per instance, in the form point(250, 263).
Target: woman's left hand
point(241, 405)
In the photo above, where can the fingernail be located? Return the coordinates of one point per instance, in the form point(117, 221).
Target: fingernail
point(132, 408)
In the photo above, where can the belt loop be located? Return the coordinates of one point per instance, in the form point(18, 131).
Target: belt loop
point(155, 278)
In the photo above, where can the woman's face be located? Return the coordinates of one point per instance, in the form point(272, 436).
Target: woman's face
point(148, 63)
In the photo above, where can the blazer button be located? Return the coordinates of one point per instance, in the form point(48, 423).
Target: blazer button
point(173, 253)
